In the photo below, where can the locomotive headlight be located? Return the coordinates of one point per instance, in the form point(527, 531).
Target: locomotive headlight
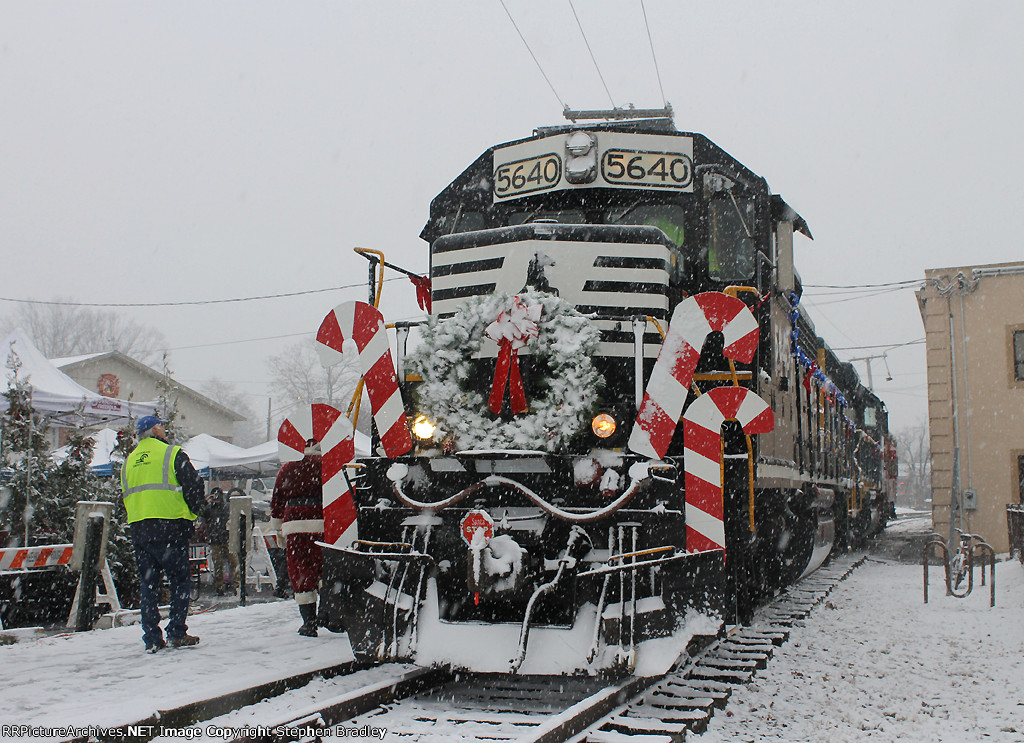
point(603, 425)
point(580, 157)
point(423, 428)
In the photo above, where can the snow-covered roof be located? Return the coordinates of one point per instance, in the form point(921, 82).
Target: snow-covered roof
point(148, 371)
point(63, 361)
point(57, 395)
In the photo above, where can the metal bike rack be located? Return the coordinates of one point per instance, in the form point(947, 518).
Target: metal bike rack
point(977, 544)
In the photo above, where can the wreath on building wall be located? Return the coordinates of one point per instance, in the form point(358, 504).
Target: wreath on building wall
point(467, 409)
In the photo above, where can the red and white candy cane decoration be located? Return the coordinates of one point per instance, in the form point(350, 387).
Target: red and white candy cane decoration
point(511, 331)
point(702, 439)
point(334, 431)
point(693, 320)
point(363, 324)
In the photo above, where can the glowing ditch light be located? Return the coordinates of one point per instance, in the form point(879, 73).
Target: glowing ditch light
point(422, 428)
point(603, 425)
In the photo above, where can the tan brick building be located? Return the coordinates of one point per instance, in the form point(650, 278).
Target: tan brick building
point(974, 330)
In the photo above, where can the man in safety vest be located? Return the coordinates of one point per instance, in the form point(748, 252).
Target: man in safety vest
point(163, 495)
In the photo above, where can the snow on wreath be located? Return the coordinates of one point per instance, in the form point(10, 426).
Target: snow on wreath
point(565, 383)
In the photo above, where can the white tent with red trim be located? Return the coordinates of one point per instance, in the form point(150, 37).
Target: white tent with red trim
point(57, 396)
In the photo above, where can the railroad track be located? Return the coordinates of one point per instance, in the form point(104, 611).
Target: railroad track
point(685, 700)
point(428, 704)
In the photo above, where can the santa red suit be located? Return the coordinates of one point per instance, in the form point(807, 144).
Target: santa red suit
point(297, 512)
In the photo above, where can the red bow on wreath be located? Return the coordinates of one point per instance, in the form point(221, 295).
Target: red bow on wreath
point(512, 330)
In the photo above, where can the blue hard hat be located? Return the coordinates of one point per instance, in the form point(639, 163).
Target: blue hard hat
point(146, 423)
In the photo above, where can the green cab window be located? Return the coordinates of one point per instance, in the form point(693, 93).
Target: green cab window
point(730, 241)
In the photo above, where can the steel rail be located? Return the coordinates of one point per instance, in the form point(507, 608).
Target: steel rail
point(206, 709)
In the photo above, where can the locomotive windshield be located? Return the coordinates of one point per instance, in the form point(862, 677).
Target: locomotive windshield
point(730, 242)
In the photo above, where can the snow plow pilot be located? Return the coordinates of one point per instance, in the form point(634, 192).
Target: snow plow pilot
point(297, 513)
point(163, 495)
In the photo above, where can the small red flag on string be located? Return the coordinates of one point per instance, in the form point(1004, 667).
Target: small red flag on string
point(422, 284)
point(809, 376)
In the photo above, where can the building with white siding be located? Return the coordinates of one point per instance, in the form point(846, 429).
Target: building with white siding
point(117, 375)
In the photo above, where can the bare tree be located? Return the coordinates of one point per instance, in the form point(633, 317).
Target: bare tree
point(298, 379)
point(914, 451)
point(252, 430)
point(61, 329)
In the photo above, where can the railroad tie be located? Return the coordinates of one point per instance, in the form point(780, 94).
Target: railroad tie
point(775, 636)
point(695, 720)
point(728, 659)
point(613, 736)
point(645, 725)
point(757, 653)
point(725, 675)
point(685, 700)
point(718, 691)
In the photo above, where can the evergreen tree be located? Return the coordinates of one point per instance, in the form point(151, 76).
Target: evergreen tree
point(45, 493)
point(168, 407)
point(120, 553)
point(24, 463)
point(67, 482)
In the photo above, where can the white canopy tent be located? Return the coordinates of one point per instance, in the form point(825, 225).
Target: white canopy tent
point(210, 453)
point(57, 396)
point(206, 452)
point(104, 442)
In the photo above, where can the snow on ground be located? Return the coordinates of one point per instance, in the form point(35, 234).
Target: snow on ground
point(105, 677)
point(873, 663)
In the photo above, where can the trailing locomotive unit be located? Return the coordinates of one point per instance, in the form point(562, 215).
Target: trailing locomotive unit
point(558, 510)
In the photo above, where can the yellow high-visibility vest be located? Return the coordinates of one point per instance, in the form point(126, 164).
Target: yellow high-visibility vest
point(151, 489)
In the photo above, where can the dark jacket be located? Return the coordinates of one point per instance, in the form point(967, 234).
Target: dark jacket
point(216, 519)
point(192, 487)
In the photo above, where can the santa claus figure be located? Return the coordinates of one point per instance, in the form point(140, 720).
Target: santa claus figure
point(297, 513)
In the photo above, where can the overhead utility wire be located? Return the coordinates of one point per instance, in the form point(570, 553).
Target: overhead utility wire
point(244, 340)
point(889, 346)
point(560, 101)
point(592, 57)
point(653, 55)
point(865, 295)
point(192, 302)
point(854, 292)
point(907, 282)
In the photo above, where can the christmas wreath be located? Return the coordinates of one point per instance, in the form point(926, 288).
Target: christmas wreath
point(550, 331)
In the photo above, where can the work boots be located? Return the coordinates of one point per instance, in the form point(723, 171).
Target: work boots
point(308, 612)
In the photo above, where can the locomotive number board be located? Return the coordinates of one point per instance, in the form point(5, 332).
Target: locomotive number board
point(657, 169)
point(522, 177)
point(620, 160)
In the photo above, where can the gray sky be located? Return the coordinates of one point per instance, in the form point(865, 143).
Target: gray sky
point(191, 151)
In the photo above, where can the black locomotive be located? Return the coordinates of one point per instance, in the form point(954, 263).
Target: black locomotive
point(526, 531)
